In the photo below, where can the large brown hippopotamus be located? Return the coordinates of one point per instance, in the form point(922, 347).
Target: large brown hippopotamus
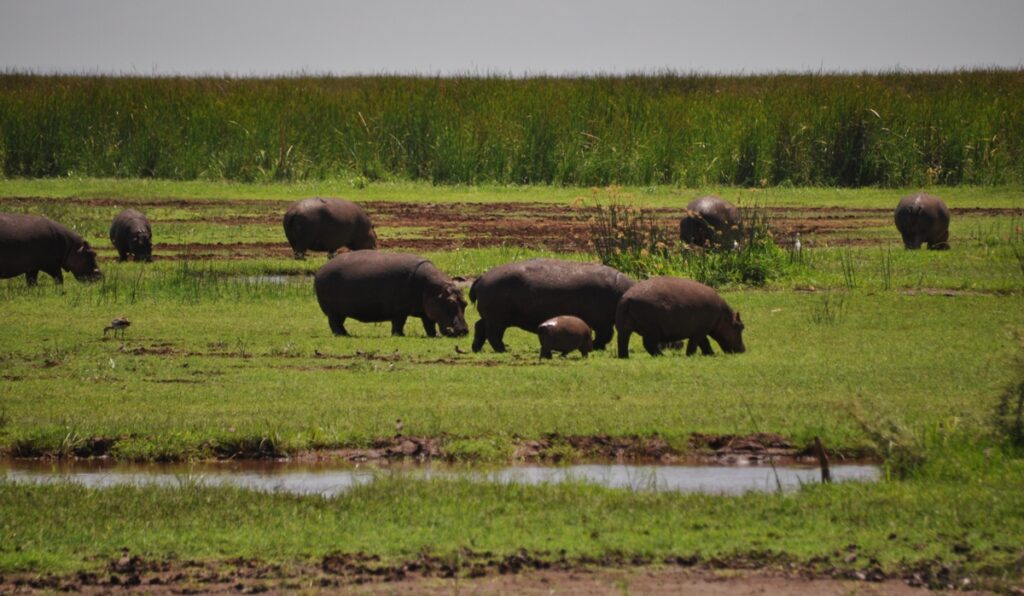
point(528, 293)
point(923, 218)
point(710, 222)
point(327, 224)
point(372, 286)
point(670, 309)
point(131, 234)
point(32, 243)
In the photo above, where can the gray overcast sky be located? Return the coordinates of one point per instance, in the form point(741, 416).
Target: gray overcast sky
point(260, 37)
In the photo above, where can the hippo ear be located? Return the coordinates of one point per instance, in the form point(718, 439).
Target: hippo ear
point(736, 318)
point(85, 246)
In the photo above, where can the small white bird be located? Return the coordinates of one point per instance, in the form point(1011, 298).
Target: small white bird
point(398, 427)
point(735, 246)
point(796, 243)
point(118, 325)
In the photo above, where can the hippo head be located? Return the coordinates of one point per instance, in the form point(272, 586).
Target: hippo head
point(368, 242)
point(141, 245)
point(447, 307)
point(728, 332)
point(81, 262)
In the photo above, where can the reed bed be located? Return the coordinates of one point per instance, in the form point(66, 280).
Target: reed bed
point(890, 129)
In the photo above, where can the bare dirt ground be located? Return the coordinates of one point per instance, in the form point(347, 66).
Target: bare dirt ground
point(428, 226)
point(483, 573)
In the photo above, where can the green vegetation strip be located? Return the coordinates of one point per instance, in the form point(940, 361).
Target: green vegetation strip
point(893, 129)
point(961, 511)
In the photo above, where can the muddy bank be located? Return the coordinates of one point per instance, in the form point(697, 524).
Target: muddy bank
point(520, 572)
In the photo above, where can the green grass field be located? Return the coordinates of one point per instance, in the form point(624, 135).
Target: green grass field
point(899, 355)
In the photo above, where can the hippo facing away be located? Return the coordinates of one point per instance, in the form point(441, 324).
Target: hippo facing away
point(670, 309)
point(372, 286)
point(327, 225)
point(710, 222)
point(564, 334)
point(131, 234)
point(526, 294)
point(32, 243)
point(923, 218)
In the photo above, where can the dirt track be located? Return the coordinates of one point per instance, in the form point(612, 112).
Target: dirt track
point(424, 227)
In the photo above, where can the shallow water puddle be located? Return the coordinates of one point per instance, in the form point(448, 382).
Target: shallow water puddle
point(330, 480)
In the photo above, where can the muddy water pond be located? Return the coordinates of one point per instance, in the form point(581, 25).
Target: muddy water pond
point(332, 479)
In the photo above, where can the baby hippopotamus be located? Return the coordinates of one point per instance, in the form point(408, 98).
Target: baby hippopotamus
point(564, 334)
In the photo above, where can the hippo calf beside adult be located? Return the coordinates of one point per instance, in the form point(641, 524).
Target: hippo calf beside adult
point(669, 309)
point(327, 225)
point(564, 334)
point(372, 286)
point(131, 234)
point(923, 219)
point(710, 222)
point(526, 294)
point(33, 243)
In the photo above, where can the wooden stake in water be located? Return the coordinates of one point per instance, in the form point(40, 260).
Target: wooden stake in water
point(826, 474)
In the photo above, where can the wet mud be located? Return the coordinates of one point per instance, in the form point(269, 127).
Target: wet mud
point(522, 571)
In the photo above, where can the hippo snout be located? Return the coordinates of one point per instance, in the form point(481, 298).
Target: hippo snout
point(455, 331)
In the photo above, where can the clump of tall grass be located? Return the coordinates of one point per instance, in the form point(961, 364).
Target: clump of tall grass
point(630, 239)
point(890, 129)
point(1009, 413)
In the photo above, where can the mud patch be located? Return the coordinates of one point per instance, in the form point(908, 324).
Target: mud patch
point(520, 571)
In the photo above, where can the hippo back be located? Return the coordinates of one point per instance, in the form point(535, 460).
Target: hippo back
point(528, 293)
point(710, 221)
point(327, 225)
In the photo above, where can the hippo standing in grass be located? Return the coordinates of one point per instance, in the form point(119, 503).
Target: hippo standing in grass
point(710, 222)
point(327, 225)
point(526, 294)
point(372, 286)
point(131, 235)
point(564, 334)
point(923, 218)
point(669, 309)
point(32, 243)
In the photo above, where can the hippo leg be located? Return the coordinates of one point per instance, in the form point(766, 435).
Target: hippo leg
point(705, 346)
point(584, 352)
point(652, 346)
point(691, 346)
point(940, 243)
point(32, 277)
point(545, 353)
point(56, 274)
point(624, 342)
point(122, 256)
point(398, 326)
point(479, 335)
point(337, 324)
point(602, 336)
point(496, 336)
point(430, 327)
point(300, 255)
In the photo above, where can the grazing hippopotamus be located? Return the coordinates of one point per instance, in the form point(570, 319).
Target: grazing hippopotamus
point(923, 218)
point(564, 334)
point(710, 222)
point(131, 235)
point(32, 243)
point(327, 224)
point(372, 286)
point(669, 309)
point(526, 294)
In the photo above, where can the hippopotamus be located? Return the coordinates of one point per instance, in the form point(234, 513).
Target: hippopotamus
point(372, 286)
point(33, 243)
point(131, 235)
point(526, 294)
point(327, 224)
point(668, 309)
point(564, 334)
point(710, 222)
point(923, 218)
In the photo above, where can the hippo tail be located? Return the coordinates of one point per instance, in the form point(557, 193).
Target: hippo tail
point(472, 290)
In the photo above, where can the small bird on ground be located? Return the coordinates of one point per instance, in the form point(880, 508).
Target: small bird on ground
point(459, 350)
point(398, 427)
point(118, 325)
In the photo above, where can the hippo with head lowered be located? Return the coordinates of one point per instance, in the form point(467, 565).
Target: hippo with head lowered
point(526, 294)
point(670, 309)
point(710, 222)
point(328, 225)
point(923, 218)
point(33, 243)
point(372, 286)
point(131, 234)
